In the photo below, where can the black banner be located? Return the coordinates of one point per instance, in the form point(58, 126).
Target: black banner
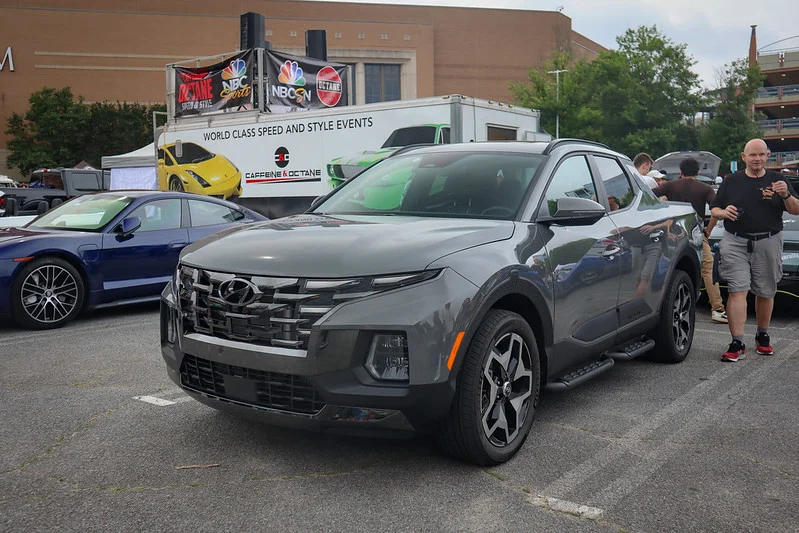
point(302, 83)
point(223, 86)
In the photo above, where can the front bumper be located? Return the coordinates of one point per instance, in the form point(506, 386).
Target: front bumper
point(327, 386)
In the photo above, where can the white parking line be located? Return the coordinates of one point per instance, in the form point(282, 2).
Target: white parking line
point(160, 398)
point(568, 507)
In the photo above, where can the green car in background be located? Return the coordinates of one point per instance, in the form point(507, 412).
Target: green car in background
point(343, 168)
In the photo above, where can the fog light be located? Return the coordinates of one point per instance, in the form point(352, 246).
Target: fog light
point(388, 357)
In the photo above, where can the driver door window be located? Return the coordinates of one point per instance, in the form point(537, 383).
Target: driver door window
point(572, 179)
point(159, 215)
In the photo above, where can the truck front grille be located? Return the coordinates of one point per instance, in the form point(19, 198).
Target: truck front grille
point(267, 311)
point(284, 392)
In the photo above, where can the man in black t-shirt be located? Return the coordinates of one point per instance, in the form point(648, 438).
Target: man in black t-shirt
point(751, 203)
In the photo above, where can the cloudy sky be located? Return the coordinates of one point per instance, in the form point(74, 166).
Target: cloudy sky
point(715, 31)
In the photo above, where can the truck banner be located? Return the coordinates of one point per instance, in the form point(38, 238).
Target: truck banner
point(220, 87)
point(302, 83)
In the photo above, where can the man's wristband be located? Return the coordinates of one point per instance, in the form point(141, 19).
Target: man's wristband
point(786, 196)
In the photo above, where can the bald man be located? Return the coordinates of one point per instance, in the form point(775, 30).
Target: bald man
point(751, 202)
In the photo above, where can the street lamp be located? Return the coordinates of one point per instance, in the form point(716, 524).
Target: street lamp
point(557, 98)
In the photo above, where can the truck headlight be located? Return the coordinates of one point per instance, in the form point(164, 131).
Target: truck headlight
point(388, 357)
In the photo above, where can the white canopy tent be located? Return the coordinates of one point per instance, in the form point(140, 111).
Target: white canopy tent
point(134, 170)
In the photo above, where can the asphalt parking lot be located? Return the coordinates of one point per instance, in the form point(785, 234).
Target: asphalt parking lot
point(96, 438)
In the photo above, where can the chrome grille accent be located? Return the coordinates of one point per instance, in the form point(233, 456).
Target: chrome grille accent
point(282, 314)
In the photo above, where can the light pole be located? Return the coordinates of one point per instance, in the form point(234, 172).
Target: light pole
point(557, 98)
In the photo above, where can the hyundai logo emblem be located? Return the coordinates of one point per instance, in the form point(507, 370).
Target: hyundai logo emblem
point(239, 291)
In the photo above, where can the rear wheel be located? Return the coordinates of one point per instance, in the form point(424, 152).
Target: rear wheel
point(175, 184)
point(497, 394)
point(47, 294)
point(675, 331)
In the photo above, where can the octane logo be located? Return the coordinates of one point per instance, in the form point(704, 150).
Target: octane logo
point(291, 74)
point(328, 86)
point(282, 157)
point(238, 291)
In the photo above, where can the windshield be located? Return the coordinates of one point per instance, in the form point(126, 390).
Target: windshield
point(84, 213)
point(192, 153)
point(413, 135)
point(445, 184)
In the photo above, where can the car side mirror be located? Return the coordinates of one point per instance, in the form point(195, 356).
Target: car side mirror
point(575, 212)
point(128, 226)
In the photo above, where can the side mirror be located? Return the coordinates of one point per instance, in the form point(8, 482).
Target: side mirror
point(575, 212)
point(128, 226)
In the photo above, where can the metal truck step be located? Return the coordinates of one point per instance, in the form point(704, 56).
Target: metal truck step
point(632, 350)
point(581, 375)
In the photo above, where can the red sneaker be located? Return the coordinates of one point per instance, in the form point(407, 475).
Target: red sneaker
point(764, 344)
point(736, 351)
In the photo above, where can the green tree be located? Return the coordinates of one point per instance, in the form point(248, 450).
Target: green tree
point(49, 133)
point(732, 124)
point(60, 130)
point(641, 97)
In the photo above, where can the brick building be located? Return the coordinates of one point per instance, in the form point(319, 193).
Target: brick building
point(116, 50)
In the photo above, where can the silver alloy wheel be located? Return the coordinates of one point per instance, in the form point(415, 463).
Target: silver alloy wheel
point(681, 323)
point(49, 294)
point(506, 387)
point(175, 184)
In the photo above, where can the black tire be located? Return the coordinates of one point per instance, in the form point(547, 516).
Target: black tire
point(54, 280)
point(175, 184)
point(674, 333)
point(464, 434)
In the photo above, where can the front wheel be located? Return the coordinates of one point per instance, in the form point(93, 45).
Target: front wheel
point(175, 184)
point(674, 333)
point(47, 294)
point(497, 392)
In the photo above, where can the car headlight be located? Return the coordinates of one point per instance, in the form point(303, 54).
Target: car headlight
point(388, 357)
point(402, 280)
point(199, 178)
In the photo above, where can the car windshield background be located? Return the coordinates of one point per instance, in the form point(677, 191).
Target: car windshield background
point(192, 153)
point(409, 136)
point(84, 213)
point(446, 184)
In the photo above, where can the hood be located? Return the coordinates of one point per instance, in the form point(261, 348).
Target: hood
point(709, 164)
point(319, 246)
point(216, 167)
point(9, 236)
point(367, 158)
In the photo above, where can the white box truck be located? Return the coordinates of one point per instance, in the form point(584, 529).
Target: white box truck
point(278, 163)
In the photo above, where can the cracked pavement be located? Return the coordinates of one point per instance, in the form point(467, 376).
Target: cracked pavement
point(700, 446)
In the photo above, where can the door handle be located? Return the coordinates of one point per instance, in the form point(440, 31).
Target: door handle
point(610, 252)
point(177, 244)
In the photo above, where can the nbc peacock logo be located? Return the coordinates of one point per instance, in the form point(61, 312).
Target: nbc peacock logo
point(236, 69)
point(233, 77)
point(291, 74)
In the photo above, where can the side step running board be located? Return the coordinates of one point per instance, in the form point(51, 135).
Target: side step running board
point(581, 375)
point(633, 350)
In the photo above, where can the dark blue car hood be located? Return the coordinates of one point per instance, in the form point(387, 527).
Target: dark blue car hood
point(12, 236)
point(326, 246)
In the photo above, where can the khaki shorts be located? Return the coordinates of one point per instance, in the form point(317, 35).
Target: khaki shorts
point(759, 271)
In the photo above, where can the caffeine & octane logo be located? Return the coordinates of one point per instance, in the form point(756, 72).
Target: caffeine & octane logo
point(282, 157)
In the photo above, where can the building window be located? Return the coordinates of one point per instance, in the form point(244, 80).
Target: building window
point(361, 36)
point(337, 35)
point(407, 37)
point(382, 83)
point(268, 33)
point(384, 36)
point(292, 33)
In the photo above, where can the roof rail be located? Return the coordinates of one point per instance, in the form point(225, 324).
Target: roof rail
point(557, 142)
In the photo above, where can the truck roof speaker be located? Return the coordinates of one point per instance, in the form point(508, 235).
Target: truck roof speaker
point(316, 44)
point(252, 30)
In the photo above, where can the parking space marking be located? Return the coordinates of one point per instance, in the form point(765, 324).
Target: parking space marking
point(563, 506)
point(165, 398)
point(577, 476)
point(651, 459)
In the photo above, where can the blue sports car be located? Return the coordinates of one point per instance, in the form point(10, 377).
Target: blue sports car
point(103, 249)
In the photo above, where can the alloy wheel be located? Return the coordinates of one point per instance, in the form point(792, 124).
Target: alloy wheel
point(506, 389)
point(681, 323)
point(49, 294)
